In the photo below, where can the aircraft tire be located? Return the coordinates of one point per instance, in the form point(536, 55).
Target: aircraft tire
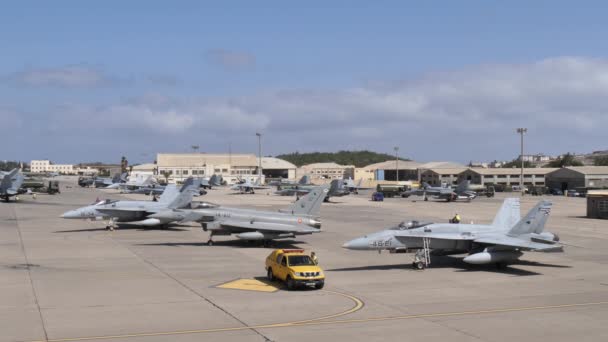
point(419, 265)
point(210, 242)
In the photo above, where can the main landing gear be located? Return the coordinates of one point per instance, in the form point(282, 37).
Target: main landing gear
point(111, 224)
point(422, 258)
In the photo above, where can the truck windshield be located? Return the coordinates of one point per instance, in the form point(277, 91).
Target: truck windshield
point(300, 260)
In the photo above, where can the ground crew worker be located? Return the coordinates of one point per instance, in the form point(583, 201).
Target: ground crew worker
point(34, 195)
point(314, 258)
point(456, 218)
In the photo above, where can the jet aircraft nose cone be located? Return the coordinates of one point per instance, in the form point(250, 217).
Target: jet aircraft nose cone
point(69, 214)
point(356, 244)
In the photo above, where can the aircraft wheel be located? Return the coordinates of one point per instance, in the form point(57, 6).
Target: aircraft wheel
point(210, 242)
point(419, 265)
point(270, 275)
point(291, 285)
point(266, 243)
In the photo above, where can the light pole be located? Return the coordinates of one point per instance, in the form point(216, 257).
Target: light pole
point(259, 135)
point(521, 132)
point(396, 148)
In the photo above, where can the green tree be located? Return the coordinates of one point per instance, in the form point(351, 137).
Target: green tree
point(356, 158)
point(516, 163)
point(600, 161)
point(566, 160)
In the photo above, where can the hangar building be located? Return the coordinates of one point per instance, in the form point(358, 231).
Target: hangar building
point(573, 177)
point(505, 176)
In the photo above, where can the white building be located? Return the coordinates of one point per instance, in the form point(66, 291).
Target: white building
point(179, 166)
point(40, 166)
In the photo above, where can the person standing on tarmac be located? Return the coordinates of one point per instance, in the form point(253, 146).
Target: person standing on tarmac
point(314, 258)
point(456, 219)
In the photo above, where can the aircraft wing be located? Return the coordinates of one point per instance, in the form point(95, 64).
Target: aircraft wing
point(268, 227)
point(508, 241)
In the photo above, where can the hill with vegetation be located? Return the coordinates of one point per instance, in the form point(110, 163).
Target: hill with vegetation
point(356, 158)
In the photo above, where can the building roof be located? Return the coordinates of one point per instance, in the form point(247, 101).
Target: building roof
point(200, 159)
point(447, 171)
point(390, 165)
point(145, 167)
point(589, 170)
point(509, 171)
point(271, 163)
point(441, 165)
point(331, 165)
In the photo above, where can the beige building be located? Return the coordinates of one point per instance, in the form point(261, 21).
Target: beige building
point(232, 167)
point(506, 176)
point(179, 166)
point(143, 170)
point(441, 176)
point(568, 178)
point(327, 171)
point(386, 171)
point(48, 166)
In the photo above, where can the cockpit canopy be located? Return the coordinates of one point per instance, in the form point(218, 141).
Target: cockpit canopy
point(410, 225)
point(104, 202)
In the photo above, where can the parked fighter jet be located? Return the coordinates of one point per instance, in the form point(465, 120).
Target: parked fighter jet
point(106, 182)
point(353, 188)
point(461, 192)
point(336, 189)
point(246, 187)
point(501, 242)
point(305, 180)
point(300, 218)
point(138, 212)
point(10, 184)
point(215, 180)
point(134, 184)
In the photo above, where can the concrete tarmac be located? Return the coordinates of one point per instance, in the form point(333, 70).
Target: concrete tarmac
point(72, 280)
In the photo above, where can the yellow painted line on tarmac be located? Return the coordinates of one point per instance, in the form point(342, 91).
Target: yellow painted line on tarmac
point(323, 321)
point(249, 285)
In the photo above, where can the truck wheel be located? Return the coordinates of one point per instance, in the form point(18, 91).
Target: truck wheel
point(319, 286)
point(291, 285)
point(270, 275)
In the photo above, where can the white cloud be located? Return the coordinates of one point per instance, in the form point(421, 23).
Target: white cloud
point(561, 100)
point(72, 76)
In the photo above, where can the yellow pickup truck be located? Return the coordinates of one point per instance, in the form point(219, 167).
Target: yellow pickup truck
point(295, 268)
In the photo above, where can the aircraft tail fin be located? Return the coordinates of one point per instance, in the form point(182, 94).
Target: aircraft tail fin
point(185, 194)
point(534, 221)
point(304, 180)
point(335, 186)
point(7, 181)
point(463, 186)
point(169, 194)
point(310, 204)
point(508, 215)
point(213, 181)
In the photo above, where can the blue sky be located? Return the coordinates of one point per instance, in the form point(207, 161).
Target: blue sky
point(84, 81)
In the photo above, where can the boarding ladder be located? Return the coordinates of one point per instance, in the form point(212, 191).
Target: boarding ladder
point(426, 247)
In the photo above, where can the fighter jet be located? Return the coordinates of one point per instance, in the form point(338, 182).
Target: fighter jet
point(305, 180)
point(10, 184)
point(499, 243)
point(336, 189)
point(353, 188)
point(246, 187)
point(134, 184)
point(461, 192)
point(105, 182)
point(138, 212)
point(300, 218)
point(215, 180)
